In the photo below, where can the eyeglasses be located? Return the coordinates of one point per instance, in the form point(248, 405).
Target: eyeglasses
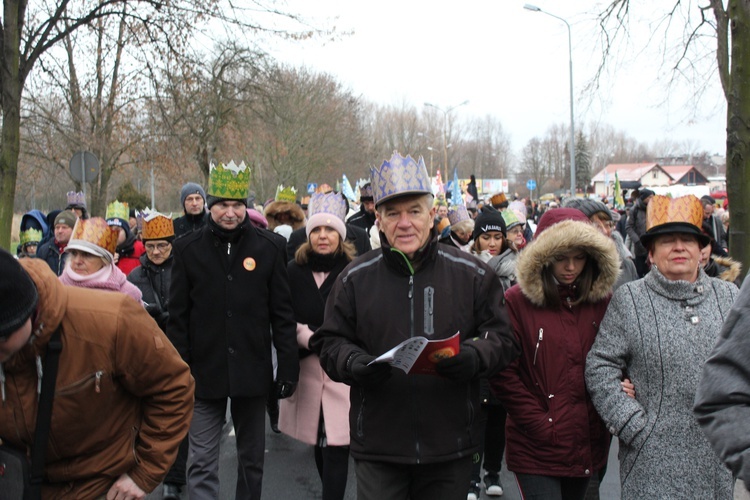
point(150, 247)
point(84, 255)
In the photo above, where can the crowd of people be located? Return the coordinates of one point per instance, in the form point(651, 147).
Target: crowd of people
point(557, 327)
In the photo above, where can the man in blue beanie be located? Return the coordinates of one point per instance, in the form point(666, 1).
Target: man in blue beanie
point(193, 200)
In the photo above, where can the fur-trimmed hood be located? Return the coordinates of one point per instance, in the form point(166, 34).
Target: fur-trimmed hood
point(727, 268)
point(561, 238)
point(295, 212)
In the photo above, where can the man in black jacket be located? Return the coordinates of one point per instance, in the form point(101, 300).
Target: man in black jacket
point(365, 218)
point(413, 436)
point(229, 291)
point(193, 201)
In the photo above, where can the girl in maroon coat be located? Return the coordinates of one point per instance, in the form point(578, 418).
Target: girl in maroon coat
point(555, 440)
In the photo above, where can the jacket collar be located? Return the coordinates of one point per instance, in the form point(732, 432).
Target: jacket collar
point(397, 260)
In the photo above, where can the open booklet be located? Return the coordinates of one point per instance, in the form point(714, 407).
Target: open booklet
point(420, 355)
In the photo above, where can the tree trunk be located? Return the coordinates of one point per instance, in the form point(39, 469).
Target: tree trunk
point(11, 127)
point(738, 132)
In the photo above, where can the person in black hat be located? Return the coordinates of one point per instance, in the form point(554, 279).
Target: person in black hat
point(124, 397)
point(365, 218)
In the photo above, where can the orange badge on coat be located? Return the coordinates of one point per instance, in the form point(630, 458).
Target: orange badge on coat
point(249, 264)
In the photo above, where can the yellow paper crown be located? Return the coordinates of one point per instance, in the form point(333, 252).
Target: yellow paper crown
point(288, 194)
point(94, 231)
point(30, 236)
point(664, 210)
point(229, 182)
point(156, 226)
point(498, 198)
point(117, 210)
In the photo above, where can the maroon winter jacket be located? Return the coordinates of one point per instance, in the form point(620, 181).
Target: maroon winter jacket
point(552, 427)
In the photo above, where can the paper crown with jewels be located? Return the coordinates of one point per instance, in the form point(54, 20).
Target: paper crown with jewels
point(92, 232)
point(666, 215)
point(229, 182)
point(30, 236)
point(399, 176)
point(76, 199)
point(457, 214)
point(329, 203)
point(365, 192)
point(510, 218)
point(155, 225)
point(287, 194)
point(117, 214)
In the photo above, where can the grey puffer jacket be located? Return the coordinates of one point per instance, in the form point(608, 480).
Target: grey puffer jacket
point(504, 266)
point(659, 333)
point(628, 272)
point(635, 227)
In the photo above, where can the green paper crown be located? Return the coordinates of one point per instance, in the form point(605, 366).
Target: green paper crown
point(230, 182)
point(117, 210)
point(30, 236)
point(288, 194)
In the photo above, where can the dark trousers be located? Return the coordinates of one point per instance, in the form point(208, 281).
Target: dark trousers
point(177, 474)
point(492, 422)
point(249, 419)
point(436, 481)
point(534, 487)
point(333, 468)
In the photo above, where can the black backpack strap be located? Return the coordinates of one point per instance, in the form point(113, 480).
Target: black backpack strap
point(44, 415)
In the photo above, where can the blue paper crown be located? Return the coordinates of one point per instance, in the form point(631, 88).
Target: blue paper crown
point(329, 203)
point(398, 177)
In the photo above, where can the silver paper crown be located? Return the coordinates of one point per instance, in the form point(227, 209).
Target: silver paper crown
point(76, 199)
point(328, 203)
point(457, 214)
point(399, 176)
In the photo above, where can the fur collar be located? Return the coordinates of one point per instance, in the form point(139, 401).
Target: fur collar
point(561, 238)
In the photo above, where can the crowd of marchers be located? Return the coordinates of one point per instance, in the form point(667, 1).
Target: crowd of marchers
point(543, 331)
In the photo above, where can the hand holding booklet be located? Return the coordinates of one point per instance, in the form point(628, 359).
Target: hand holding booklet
point(420, 355)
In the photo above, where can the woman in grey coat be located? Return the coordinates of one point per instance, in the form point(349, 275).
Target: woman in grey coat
point(659, 331)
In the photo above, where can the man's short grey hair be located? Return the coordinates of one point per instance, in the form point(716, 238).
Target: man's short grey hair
point(464, 225)
point(427, 199)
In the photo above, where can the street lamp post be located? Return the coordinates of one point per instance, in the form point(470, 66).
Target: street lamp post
point(534, 8)
point(445, 129)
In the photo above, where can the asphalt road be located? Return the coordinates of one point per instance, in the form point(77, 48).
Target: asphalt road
point(290, 472)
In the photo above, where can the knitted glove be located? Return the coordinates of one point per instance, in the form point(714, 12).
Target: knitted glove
point(462, 367)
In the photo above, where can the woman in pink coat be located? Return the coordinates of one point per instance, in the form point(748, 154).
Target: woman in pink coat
point(318, 412)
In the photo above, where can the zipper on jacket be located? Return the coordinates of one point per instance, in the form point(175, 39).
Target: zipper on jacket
point(538, 341)
point(98, 381)
point(411, 306)
point(229, 248)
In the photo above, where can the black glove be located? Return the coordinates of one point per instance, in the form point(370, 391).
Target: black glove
point(368, 376)
point(462, 367)
point(285, 389)
point(153, 310)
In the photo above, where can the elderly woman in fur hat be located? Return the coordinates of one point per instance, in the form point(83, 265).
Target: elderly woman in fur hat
point(660, 330)
point(555, 441)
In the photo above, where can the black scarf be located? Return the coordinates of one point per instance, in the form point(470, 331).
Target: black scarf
point(324, 263)
point(228, 235)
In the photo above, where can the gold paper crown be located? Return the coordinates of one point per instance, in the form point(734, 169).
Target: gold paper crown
point(288, 194)
point(31, 235)
point(458, 214)
point(399, 176)
point(94, 231)
point(229, 182)
point(498, 198)
point(664, 210)
point(156, 226)
point(324, 188)
point(117, 210)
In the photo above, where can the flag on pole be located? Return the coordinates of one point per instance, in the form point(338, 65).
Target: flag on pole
point(437, 184)
point(456, 197)
point(619, 202)
point(346, 188)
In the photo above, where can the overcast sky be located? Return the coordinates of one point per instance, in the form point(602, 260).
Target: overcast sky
point(508, 62)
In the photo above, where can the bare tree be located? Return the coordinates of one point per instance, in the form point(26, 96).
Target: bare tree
point(713, 40)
